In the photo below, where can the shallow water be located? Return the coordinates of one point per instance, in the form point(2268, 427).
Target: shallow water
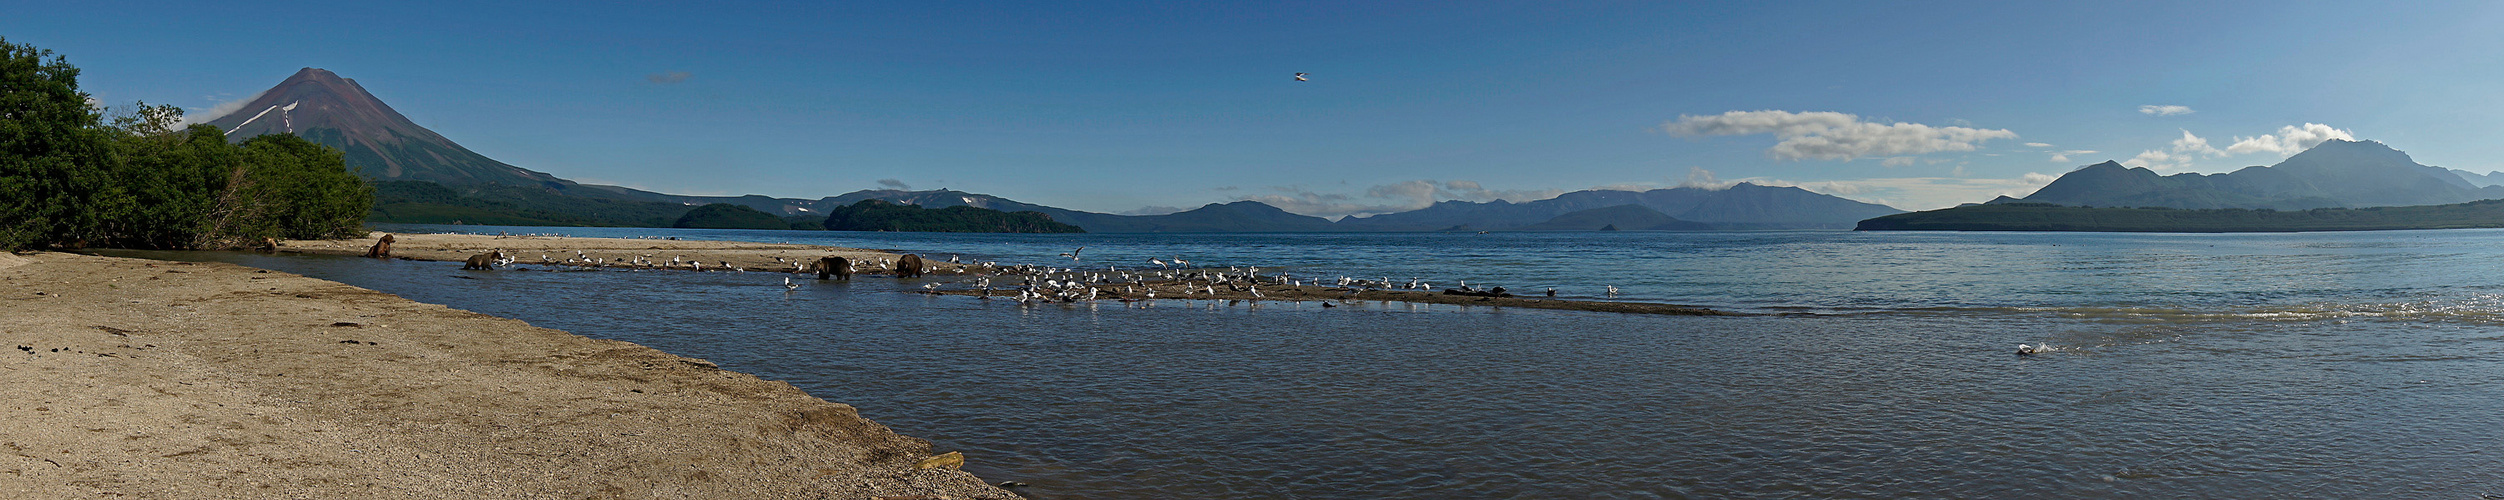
point(2310, 365)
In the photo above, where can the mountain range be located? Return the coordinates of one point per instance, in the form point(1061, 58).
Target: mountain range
point(2334, 174)
point(385, 146)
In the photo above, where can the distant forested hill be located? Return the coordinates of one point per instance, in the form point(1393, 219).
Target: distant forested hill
point(730, 216)
point(880, 215)
point(2046, 217)
point(422, 202)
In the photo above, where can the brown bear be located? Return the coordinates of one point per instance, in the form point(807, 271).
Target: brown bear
point(484, 260)
point(269, 245)
point(382, 248)
point(909, 266)
point(834, 267)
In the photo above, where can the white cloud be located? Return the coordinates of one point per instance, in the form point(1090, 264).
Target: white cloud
point(895, 184)
point(2037, 145)
point(1828, 135)
point(193, 116)
point(1697, 177)
point(2063, 156)
point(2289, 139)
point(1388, 198)
point(2179, 157)
point(2165, 109)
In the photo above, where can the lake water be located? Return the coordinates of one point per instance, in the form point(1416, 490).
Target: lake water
point(2242, 365)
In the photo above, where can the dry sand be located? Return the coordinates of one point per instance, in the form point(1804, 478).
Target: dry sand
point(150, 379)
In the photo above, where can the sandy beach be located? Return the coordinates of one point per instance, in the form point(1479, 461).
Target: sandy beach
point(153, 379)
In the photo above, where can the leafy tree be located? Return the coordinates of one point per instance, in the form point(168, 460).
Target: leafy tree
point(68, 179)
point(54, 181)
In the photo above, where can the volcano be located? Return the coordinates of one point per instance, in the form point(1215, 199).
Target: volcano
point(322, 107)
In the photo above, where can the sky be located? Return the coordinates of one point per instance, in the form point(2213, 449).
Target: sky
point(1152, 107)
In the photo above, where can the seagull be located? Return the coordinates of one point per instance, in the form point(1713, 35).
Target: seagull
point(1300, 77)
point(2028, 350)
point(1612, 290)
point(788, 285)
point(1159, 264)
point(1073, 254)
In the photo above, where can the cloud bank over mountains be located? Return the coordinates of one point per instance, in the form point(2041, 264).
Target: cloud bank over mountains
point(1828, 135)
point(2287, 141)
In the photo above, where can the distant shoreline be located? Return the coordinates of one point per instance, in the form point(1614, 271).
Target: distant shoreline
point(2485, 214)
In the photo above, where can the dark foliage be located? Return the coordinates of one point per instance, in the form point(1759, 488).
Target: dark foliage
point(422, 202)
point(729, 216)
point(880, 215)
point(66, 179)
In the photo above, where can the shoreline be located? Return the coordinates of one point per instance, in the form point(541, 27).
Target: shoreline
point(183, 379)
point(619, 253)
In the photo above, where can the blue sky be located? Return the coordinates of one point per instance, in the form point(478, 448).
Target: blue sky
point(1115, 107)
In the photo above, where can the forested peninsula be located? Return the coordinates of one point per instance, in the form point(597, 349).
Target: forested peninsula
point(2048, 217)
point(881, 215)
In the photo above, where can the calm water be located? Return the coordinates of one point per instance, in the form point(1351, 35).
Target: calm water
point(2306, 365)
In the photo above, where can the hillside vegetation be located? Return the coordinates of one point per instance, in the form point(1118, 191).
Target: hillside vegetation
point(729, 216)
point(422, 202)
point(880, 215)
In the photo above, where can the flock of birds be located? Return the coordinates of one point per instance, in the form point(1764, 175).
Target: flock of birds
point(1173, 277)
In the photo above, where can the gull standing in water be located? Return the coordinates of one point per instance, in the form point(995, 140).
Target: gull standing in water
point(788, 285)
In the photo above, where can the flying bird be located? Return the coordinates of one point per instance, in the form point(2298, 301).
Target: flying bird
point(1300, 77)
point(1073, 254)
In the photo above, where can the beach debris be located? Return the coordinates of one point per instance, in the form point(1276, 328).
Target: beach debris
point(1012, 484)
point(347, 324)
point(950, 460)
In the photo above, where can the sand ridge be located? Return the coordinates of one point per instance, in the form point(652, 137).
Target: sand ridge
point(556, 251)
point(130, 377)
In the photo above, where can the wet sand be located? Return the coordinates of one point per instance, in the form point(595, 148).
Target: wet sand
point(152, 379)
